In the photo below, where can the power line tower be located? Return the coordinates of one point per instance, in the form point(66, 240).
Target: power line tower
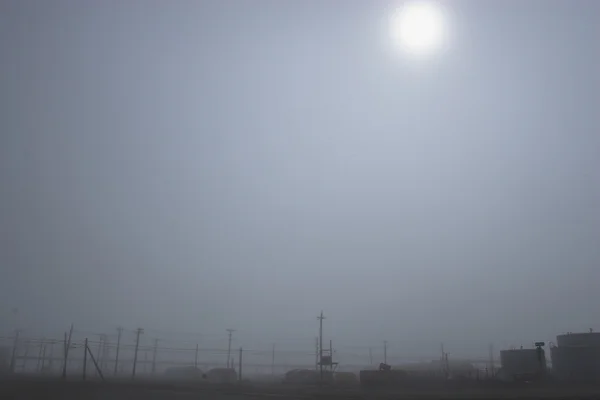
point(138, 332)
point(230, 331)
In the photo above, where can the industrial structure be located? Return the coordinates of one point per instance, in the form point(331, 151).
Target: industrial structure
point(523, 364)
point(576, 356)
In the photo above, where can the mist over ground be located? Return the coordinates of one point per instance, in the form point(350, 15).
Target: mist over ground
point(196, 166)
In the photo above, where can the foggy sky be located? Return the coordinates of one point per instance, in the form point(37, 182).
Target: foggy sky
point(194, 166)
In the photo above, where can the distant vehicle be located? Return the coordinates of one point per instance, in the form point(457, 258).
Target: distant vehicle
point(184, 373)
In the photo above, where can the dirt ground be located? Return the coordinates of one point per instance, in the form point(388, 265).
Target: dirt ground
point(26, 389)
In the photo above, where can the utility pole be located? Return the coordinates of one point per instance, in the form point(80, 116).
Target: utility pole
point(27, 344)
point(119, 333)
point(370, 356)
point(272, 360)
point(316, 353)
point(240, 366)
point(321, 318)
point(85, 351)
point(196, 358)
point(100, 351)
point(443, 356)
point(492, 359)
point(51, 361)
point(95, 363)
point(138, 332)
point(447, 363)
point(67, 347)
point(154, 356)
point(230, 331)
point(385, 351)
point(39, 361)
point(44, 358)
point(105, 352)
point(13, 357)
point(145, 360)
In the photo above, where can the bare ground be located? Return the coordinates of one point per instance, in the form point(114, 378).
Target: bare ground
point(30, 388)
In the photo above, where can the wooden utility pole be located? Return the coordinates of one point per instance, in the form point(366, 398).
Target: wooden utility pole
point(145, 361)
point(154, 356)
point(442, 358)
point(51, 361)
point(67, 347)
point(39, 361)
point(100, 351)
point(240, 366)
point(88, 350)
point(230, 331)
point(385, 351)
point(27, 344)
point(85, 351)
point(316, 353)
point(321, 318)
point(273, 360)
point(138, 332)
point(105, 353)
point(44, 357)
point(13, 357)
point(492, 360)
point(331, 355)
point(119, 333)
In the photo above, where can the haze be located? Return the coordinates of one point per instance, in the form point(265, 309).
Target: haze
point(191, 166)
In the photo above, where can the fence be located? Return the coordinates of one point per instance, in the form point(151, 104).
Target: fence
point(115, 356)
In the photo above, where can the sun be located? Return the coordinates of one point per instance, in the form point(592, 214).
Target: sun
point(418, 27)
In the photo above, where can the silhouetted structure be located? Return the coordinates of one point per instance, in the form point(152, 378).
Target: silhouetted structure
point(577, 356)
point(522, 364)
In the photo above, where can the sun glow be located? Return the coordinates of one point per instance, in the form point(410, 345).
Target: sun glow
point(418, 27)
